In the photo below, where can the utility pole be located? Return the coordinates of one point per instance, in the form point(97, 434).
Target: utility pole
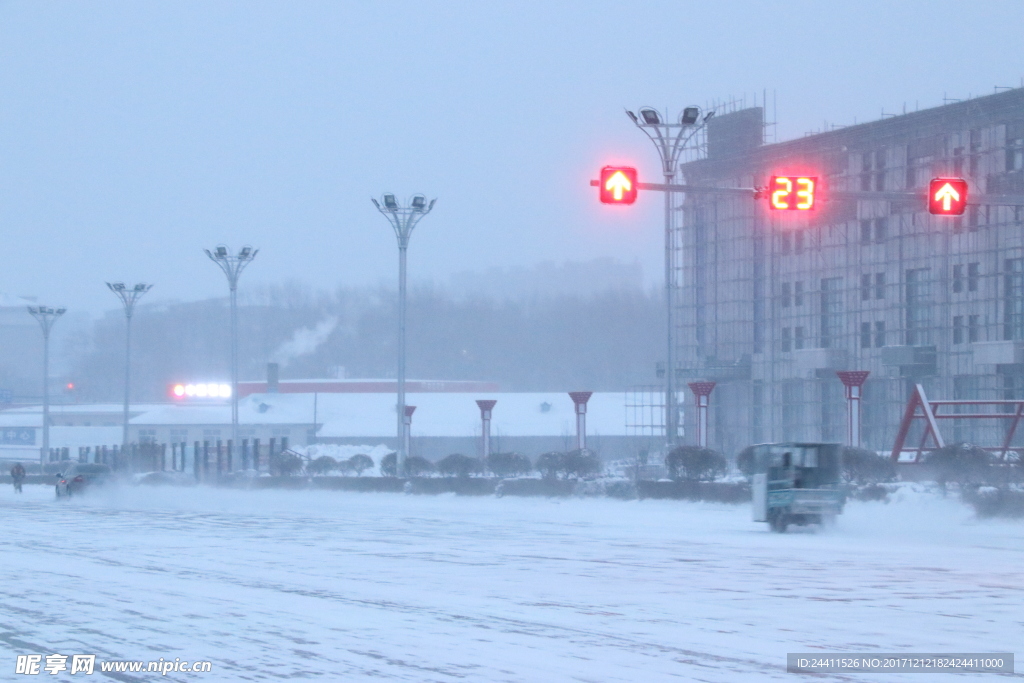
point(233, 267)
point(403, 220)
point(46, 317)
point(128, 297)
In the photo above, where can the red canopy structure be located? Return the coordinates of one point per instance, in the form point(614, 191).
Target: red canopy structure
point(930, 412)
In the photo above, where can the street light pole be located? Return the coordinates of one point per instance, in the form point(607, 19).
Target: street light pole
point(46, 317)
point(233, 267)
point(128, 297)
point(670, 139)
point(403, 220)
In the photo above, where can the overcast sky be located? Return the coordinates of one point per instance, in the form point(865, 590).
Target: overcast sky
point(132, 134)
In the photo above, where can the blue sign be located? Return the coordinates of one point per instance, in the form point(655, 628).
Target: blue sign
point(18, 436)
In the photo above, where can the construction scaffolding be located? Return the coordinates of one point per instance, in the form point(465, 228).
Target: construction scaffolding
point(771, 304)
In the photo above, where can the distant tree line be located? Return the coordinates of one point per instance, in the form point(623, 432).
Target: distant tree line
point(606, 341)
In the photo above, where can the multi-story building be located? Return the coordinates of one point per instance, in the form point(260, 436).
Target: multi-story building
point(771, 303)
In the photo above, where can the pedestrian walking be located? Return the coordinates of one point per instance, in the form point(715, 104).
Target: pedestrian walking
point(17, 475)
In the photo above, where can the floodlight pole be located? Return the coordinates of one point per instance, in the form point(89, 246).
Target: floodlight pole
point(46, 317)
point(128, 297)
point(403, 220)
point(233, 267)
point(670, 139)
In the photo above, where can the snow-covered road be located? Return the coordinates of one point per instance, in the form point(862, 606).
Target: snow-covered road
point(344, 586)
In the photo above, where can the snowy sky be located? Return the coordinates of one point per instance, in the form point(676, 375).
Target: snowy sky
point(134, 134)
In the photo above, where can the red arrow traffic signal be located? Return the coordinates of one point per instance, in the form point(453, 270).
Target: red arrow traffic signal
point(618, 185)
point(947, 196)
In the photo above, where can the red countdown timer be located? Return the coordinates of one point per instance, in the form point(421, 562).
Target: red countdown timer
point(791, 193)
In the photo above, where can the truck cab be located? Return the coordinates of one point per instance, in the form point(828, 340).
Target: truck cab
point(797, 483)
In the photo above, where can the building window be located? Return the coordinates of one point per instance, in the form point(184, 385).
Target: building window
point(1013, 304)
point(880, 229)
point(787, 342)
point(865, 232)
point(786, 299)
point(879, 285)
point(798, 293)
point(918, 307)
point(798, 337)
point(973, 275)
point(958, 279)
point(973, 328)
point(865, 287)
point(831, 311)
point(865, 335)
point(757, 414)
point(1014, 146)
point(880, 334)
point(958, 329)
point(798, 242)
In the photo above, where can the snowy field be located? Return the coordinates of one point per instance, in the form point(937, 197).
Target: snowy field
point(343, 586)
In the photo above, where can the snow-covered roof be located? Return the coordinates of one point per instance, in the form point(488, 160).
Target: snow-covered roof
point(372, 415)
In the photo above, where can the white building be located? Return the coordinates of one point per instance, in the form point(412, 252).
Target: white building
point(444, 423)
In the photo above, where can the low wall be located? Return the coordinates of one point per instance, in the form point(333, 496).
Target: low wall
point(710, 491)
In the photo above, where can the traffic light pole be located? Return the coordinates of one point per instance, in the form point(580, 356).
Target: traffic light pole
point(670, 139)
point(830, 195)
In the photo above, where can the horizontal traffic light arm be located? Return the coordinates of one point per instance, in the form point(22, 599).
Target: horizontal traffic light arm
point(833, 195)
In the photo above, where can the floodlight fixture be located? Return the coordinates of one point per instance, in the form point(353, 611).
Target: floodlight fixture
point(650, 116)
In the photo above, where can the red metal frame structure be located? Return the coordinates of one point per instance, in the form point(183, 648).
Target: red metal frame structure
point(920, 408)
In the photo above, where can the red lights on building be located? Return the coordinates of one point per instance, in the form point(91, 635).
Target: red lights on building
point(618, 185)
point(792, 193)
point(947, 196)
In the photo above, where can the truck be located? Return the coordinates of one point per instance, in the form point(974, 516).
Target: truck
point(797, 483)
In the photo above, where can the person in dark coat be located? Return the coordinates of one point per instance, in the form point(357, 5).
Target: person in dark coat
point(18, 475)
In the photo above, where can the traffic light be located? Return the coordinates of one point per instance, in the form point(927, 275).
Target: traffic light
point(947, 196)
point(792, 193)
point(618, 185)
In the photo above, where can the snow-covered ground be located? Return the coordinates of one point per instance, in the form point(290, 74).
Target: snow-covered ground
point(343, 586)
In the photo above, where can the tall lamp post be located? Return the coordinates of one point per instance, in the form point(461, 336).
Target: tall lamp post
point(233, 267)
point(403, 220)
point(670, 139)
point(46, 317)
point(128, 297)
